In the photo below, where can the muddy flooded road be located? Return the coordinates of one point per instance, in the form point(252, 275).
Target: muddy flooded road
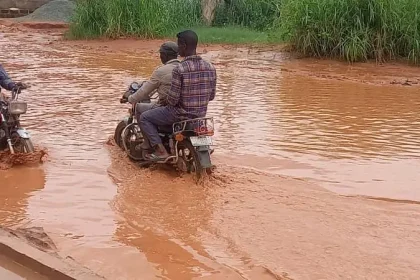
point(294, 139)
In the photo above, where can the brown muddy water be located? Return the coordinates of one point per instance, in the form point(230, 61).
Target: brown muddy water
point(294, 139)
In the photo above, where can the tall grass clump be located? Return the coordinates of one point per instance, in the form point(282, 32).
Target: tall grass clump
point(141, 18)
point(254, 14)
point(354, 30)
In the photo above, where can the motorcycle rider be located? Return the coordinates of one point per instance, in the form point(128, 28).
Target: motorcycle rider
point(160, 81)
point(7, 83)
point(193, 86)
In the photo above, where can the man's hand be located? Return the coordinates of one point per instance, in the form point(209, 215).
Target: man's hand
point(126, 94)
point(20, 85)
point(124, 98)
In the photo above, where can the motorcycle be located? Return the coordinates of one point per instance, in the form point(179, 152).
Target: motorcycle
point(12, 135)
point(188, 142)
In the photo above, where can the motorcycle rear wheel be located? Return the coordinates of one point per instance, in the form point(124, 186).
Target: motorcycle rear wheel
point(22, 145)
point(189, 154)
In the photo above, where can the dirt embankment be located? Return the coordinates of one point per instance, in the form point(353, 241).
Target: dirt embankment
point(37, 255)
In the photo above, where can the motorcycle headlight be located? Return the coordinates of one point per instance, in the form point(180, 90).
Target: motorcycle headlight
point(17, 107)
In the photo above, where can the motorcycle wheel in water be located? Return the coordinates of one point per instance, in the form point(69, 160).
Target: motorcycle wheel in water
point(188, 142)
point(21, 145)
point(12, 135)
point(118, 132)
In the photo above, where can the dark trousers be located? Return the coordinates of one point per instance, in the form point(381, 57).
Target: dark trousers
point(151, 119)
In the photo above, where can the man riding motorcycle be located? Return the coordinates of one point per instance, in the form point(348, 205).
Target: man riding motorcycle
point(8, 84)
point(193, 86)
point(160, 81)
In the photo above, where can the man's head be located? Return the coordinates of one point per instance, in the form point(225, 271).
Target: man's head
point(168, 51)
point(187, 43)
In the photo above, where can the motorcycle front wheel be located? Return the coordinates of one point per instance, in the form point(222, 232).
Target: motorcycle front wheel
point(22, 145)
point(118, 133)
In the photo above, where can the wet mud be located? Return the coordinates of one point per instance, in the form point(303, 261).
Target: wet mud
point(35, 236)
point(8, 160)
point(309, 154)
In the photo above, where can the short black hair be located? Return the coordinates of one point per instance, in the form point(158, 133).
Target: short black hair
point(188, 37)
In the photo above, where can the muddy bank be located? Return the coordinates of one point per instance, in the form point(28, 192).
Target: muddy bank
point(8, 24)
point(372, 73)
point(35, 252)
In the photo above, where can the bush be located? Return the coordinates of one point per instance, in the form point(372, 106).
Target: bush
point(141, 18)
point(255, 14)
point(355, 30)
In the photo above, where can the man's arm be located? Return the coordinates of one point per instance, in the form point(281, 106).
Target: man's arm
point(176, 86)
point(213, 86)
point(144, 92)
point(5, 81)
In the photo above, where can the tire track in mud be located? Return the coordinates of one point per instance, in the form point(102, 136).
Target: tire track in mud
point(167, 216)
point(262, 225)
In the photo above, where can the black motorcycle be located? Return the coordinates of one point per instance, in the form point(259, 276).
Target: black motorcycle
point(12, 135)
point(188, 142)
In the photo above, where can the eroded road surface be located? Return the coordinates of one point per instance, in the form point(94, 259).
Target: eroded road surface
point(317, 167)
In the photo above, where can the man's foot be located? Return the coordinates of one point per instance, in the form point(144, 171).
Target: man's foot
point(159, 155)
point(155, 157)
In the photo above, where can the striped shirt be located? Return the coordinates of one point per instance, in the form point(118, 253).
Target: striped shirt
point(193, 86)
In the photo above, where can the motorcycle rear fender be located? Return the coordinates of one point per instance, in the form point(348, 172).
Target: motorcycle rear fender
point(204, 156)
point(23, 133)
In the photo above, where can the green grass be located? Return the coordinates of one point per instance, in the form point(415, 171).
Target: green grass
point(254, 14)
point(231, 35)
point(141, 18)
point(236, 23)
point(354, 30)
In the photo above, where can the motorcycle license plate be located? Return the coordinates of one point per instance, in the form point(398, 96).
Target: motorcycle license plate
point(201, 141)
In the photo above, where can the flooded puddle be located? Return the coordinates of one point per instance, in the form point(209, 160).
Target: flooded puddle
point(313, 120)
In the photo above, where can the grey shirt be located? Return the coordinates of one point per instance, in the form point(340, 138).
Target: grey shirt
point(160, 80)
point(5, 81)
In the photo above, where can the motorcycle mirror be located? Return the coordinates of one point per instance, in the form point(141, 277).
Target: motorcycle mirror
point(135, 86)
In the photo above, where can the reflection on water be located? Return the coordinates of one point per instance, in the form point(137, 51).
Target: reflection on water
point(270, 112)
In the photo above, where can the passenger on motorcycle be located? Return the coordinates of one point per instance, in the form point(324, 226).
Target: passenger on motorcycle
point(7, 83)
point(160, 81)
point(193, 86)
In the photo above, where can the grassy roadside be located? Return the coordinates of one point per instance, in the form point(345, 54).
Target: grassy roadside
point(155, 19)
point(231, 35)
point(351, 30)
